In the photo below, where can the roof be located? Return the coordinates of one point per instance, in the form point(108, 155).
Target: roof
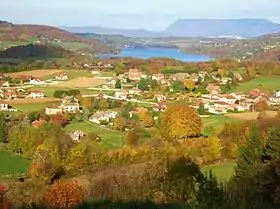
point(3, 102)
point(101, 114)
point(39, 122)
point(36, 91)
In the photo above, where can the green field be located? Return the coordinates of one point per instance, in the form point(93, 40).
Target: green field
point(270, 83)
point(31, 106)
point(223, 172)
point(12, 164)
point(110, 139)
point(215, 124)
point(72, 74)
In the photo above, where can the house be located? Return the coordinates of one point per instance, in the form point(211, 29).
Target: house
point(134, 92)
point(213, 89)
point(179, 76)
point(62, 77)
point(238, 76)
point(38, 123)
point(121, 94)
point(134, 75)
point(4, 106)
point(103, 116)
point(158, 77)
point(95, 72)
point(217, 110)
point(237, 107)
point(70, 107)
point(4, 84)
point(160, 107)
point(160, 97)
point(53, 110)
point(76, 135)
point(225, 80)
point(36, 81)
point(36, 94)
point(228, 98)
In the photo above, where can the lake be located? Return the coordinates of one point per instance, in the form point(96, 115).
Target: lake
point(151, 52)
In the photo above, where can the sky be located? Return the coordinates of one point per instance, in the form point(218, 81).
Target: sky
point(132, 14)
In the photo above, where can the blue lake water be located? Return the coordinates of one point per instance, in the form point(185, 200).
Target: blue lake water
point(147, 53)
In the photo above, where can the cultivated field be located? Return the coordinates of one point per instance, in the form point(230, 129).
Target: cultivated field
point(82, 82)
point(12, 164)
point(35, 73)
point(250, 115)
point(271, 83)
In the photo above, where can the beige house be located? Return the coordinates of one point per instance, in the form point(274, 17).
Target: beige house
point(4, 106)
point(53, 110)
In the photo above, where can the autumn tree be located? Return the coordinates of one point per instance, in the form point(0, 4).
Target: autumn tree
point(59, 120)
point(179, 121)
point(120, 123)
point(147, 119)
point(103, 104)
point(189, 84)
point(132, 138)
point(262, 105)
point(63, 195)
point(87, 102)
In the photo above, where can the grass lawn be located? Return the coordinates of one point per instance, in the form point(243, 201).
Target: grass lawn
point(215, 123)
point(72, 74)
point(110, 139)
point(270, 83)
point(31, 106)
point(223, 172)
point(12, 164)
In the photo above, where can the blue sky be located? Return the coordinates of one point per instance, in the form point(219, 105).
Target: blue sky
point(148, 14)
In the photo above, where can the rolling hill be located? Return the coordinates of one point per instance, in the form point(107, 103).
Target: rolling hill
point(13, 35)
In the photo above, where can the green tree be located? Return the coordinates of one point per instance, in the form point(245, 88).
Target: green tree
point(121, 68)
point(250, 154)
point(272, 147)
point(103, 104)
point(178, 86)
point(118, 84)
point(201, 110)
point(143, 85)
point(3, 128)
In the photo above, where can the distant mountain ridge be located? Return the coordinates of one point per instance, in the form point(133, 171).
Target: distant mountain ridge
point(245, 28)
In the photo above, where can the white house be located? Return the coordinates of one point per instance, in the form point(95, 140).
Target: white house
point(76, 135)
point(62, 77)
point(36, 95)
point(158, 77)
point(228, 98)
point(217, 110)
point(53, 110)
point(70, 107)
point(277, 95)
point(36, 81)
point(121, 94)
point(103, 116)
point(95, 72)
point(160, 97)
point(4, 106)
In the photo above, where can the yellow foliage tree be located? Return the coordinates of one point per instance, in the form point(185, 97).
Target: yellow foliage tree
point(189, 84)
point(180, 121)
point(147, 119)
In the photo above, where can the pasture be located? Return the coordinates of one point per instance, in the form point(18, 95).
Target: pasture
point(82, 82)
point(31, 107)
point(223, 172)
point(250, 115)
point(12, 164)
point(110, 139)
point(213, 125)
point(270, 83)
point(35, 73)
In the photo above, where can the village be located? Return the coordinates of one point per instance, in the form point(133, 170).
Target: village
point(147, 93)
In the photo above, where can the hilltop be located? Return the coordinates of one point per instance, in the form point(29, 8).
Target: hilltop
point(245, 28)
point(13, 35)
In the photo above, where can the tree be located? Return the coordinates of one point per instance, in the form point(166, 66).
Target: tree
point(251, 72)
point(59, 119)
point(132, 138)
point(179, 121)
point(272, 147)
point(120, 68)
point(120, 123)
point(262, 105)
point(3, 128)
point(250, 155)
point(143, 85)
point(226, 88)
point(103, 104)
point(189, 84)
point(32, 116)
point(63, 195)
point(178, 86)
point(87, 102)
point(147, 119)
point(201, 110)
point(118, 84)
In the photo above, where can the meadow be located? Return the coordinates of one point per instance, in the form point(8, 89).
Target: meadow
point(12, 164)
point(223, 172)
point(270, 83)
point(30, 107)
point(110, 139)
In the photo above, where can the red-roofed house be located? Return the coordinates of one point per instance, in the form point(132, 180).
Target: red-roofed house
point(38, 123)
point(160, 107)
point(134, 75)
point(158, 77)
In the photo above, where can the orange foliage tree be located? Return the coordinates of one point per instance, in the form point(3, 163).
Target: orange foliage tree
point(59, 119)
point(63, 195)
point(180, 121)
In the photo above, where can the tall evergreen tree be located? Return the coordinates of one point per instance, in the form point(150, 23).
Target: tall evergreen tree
point(250, 154)
point(272, 147)
point(3, 128)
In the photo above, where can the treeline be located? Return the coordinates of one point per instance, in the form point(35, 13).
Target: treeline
point(35, 51)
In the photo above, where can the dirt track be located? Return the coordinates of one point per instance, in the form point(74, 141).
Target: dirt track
point(35, 73)
point(250, 115)
point(31, 101)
